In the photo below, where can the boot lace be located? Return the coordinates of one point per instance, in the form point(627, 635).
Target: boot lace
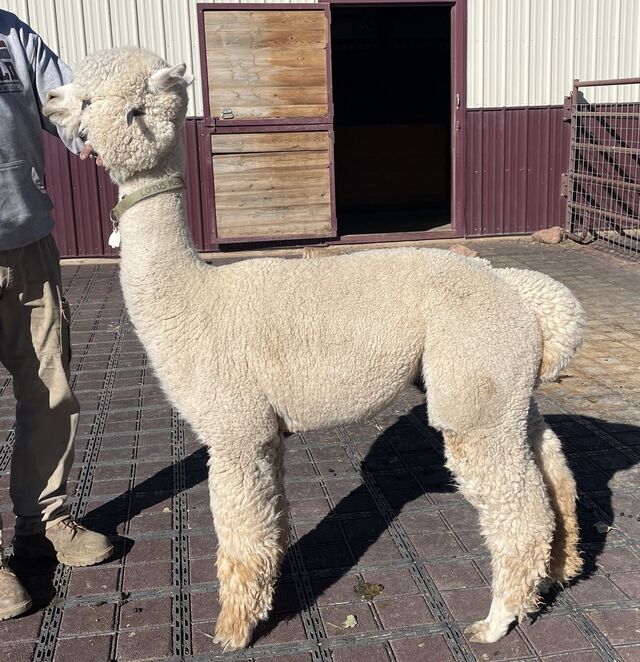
point(73, 526)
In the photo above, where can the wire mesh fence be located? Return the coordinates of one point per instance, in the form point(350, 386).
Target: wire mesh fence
point(603, 179)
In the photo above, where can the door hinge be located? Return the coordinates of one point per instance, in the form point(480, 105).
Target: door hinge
point(457, 101)
point(564, 185)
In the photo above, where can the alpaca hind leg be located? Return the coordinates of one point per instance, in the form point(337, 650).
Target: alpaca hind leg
point(249, 513)
point(497, 473)
point(566, 562)
point(283, 523)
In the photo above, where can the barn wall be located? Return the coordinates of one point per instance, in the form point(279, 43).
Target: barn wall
point(74, 28)
point(515, 158)
point(520, 54)
point(83, 195)
point(527, 52)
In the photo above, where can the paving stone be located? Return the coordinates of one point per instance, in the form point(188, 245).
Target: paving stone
point(146, 576)
point(203, 639)
point(335, 590)
point(145, 551)
point(87, 619)
point(22, 652)
point(359, 654)
point(88, 649)
point(202, 546)
point(468, 605)
point(629, 653)
point(394, 582)
point(202, 570)
point(405, 611)
point(435, 545)
point(138, 613)
point(204, 606)
point(22, 628)
point(597, 589)
point(413, 649)
point(628, 583)
point(554, 634)
point(458, 575)
point(152, 644)
point(510, 647)
point(334, 617)
point(280, 628)
point(620, 626)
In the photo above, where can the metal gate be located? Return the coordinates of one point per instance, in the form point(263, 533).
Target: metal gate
point(602, 184)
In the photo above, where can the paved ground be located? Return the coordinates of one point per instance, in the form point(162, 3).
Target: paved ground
point(370, 503)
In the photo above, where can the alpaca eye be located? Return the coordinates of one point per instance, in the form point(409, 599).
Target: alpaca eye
point(85, 103)
point(135, 112)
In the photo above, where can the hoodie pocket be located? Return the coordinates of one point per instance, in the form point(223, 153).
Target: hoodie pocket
point(22, 196)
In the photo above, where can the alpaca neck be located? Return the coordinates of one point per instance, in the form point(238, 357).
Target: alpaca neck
point(158, 261)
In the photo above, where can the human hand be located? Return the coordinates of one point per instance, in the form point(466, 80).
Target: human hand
point(87, 152)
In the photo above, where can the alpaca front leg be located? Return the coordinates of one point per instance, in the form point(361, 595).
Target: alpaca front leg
point(498, 475)
point(249, 512)
point(566, 562)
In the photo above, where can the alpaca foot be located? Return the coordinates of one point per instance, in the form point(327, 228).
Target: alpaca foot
point(547, 585)
point(231, 632)
point(486, 631)
point(494, 626)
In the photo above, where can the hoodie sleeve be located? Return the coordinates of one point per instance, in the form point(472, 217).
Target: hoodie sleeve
point(48, 71)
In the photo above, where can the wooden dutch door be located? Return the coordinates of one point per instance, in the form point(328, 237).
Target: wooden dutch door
point(268, 121)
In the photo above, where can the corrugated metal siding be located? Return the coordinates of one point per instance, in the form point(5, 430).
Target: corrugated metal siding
point(83, 195)
point(527, 52)
point(515, 158)
point(74, 28)
point(519, 52)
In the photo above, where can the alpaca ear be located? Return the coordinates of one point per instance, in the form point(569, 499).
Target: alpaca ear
point(169, 79)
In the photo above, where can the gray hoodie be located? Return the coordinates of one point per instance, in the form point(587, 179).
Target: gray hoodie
point(28, 70)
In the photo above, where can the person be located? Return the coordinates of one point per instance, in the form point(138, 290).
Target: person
point(34, 320)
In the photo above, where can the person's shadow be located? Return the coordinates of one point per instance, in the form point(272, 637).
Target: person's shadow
point(593, 473)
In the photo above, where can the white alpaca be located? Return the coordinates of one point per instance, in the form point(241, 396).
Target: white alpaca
point(253, 349)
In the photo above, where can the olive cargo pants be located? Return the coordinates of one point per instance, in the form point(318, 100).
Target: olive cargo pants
point(35, 348)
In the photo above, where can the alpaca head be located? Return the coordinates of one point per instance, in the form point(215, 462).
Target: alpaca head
point(128, 103)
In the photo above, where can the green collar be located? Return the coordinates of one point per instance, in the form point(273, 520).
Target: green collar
point(169, 184)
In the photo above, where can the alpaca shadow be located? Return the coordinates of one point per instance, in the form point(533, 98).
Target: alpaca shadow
point(591, 458)
point(148, 493)
point(592, 472)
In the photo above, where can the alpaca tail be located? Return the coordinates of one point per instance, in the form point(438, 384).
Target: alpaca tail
point(560, 317)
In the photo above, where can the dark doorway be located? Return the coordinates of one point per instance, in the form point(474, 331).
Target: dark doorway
point(392, 118)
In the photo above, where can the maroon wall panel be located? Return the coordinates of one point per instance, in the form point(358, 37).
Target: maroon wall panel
point(515, 158)
point(83, 195)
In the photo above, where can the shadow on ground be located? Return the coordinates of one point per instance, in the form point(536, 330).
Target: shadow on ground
point(580, 445)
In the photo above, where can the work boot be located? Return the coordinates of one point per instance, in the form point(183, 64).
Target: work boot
point(66, 540)
point(14, 600)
